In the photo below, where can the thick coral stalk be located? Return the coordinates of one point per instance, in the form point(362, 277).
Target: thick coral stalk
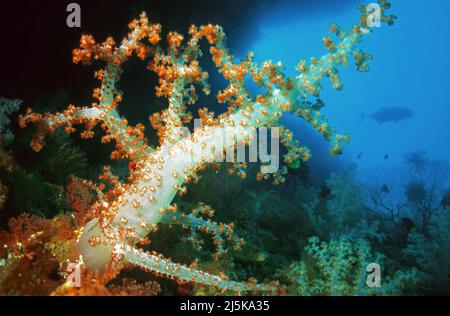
point(139, 208)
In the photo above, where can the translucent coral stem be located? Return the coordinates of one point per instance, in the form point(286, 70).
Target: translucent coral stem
point(181, 273)
point(221, 232)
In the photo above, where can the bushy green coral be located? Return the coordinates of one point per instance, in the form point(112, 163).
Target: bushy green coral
point(7, 107)
point(339, 209)
point(346, 204)
point(61, 159)
point(430, 254)
point(36, 184)
point(334, 268)
point(341, 267)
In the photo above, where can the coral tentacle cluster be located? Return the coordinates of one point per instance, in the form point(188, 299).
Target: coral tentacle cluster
point(124, 215)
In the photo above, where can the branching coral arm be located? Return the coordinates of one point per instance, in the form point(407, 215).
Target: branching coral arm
point(157, 264)
point(221, 232)
point(48, 123)
point(130, 140)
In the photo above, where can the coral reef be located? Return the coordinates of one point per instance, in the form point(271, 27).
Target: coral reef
point(340, 268)
point(102, 235)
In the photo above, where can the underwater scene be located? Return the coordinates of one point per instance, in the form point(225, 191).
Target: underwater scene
point(223, 148)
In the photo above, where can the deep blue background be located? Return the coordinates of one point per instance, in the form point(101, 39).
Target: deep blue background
point(410, 69)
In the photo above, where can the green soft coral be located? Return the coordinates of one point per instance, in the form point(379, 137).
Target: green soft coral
point(431, 254)
point(7, 107)
point(340, 267)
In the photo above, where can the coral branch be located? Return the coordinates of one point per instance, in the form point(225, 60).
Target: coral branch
point(164, 267)
point(221, 232)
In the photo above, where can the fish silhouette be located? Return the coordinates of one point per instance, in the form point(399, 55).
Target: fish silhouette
point(385, 188)
point(387, 115)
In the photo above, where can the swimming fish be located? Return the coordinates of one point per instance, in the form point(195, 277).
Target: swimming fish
point(389, 114)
